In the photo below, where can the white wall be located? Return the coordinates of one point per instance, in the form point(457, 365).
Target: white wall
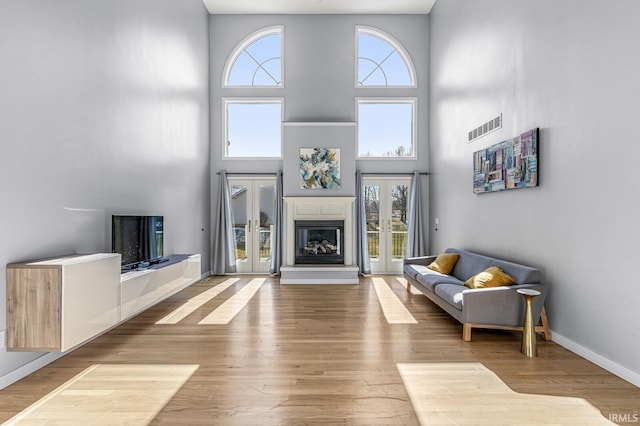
point(319, 57)
point(103, 109)
point(570, 68)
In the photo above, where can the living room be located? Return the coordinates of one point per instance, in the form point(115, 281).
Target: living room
point(117, 107)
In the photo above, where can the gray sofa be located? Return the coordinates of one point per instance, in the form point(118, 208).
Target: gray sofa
point(496, 307)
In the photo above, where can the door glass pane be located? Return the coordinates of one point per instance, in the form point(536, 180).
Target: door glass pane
point(399, 206)
point(372, 212)
point(240, 226)
point(267, 205)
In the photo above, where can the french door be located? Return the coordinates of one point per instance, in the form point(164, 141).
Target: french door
point(386, 208)
point(252, 206)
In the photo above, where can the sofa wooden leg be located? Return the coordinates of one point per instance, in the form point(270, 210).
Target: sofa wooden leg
point(408, 287)
point(466, 332)
point(546, 332)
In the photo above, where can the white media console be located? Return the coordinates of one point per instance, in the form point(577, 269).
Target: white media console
point(55, 305)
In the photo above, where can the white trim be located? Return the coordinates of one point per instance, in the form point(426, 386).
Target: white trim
point(231, 59)
point(318, 281)
point(31, 367)
point(318, 123)
point(381, 35)
point(609, 365)
point(414, 125)
point(311, 272)
point(235, 100)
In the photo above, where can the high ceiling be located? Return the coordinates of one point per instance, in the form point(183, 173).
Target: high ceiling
point(319, 6)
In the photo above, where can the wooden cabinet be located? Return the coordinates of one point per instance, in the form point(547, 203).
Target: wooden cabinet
point(56, 304)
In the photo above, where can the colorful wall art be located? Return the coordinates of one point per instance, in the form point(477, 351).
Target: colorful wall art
point(511, 164)
point(319, 168)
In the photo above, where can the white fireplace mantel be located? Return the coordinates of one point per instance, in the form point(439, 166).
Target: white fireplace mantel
point(318, 208)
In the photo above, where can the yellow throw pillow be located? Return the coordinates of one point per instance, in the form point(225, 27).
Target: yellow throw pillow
point(444, 263)
point(491, 277)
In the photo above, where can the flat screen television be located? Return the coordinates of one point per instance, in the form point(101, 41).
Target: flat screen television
point(139, 239)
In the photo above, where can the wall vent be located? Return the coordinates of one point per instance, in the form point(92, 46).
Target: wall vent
point(488, 127)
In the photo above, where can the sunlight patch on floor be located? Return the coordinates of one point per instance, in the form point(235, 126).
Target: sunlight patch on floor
point(232, 306)
point(413, 290)
point(468, 393)
point(108, 394)
point(394, 310)
point(196, 302)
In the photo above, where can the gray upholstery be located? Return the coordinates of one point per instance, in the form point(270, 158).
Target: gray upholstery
point(468, 264)
point(431, 279)
point(452, 293)
point(522, 274)
point(414, 270)
point(499, 306)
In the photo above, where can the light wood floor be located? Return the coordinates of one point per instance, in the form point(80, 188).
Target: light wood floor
point(318, 354)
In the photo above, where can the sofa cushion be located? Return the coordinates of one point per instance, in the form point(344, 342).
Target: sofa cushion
point(469, 264)
point(444, 263)
point(413, 270)
point(493, 276)
point(522, 274)
point(431, 279)
point(452, 293)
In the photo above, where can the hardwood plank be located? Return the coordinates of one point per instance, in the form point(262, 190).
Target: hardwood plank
point(196, 302)
point(394, 311)
point(469, 393)
point(315, 354)
point(229, 309)
point(107, 395)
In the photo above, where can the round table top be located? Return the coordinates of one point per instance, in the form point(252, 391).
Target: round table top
point(528, 292)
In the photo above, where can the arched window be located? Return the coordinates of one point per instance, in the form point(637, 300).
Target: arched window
point(257, 61)
point(382, 61)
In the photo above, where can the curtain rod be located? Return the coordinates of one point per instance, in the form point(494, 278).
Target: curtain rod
point(250, 174)
point(394, 174)
point(364, 174)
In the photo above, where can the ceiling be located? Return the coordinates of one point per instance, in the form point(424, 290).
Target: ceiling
point(319, 6)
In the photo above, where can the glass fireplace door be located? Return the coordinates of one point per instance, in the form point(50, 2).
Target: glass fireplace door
point(252, 205)
point(386, 207)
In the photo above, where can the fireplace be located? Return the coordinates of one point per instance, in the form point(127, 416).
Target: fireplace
point(319, 242)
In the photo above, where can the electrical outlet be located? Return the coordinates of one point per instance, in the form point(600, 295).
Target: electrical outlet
point(2, 339)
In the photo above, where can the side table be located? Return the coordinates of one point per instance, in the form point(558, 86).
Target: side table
point(529, 346)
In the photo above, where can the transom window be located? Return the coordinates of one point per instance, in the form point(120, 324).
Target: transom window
point(382, 61)
point(257, 61)
point(386, 128)
point(253, 128)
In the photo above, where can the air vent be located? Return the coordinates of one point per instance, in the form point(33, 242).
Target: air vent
point(488, 127)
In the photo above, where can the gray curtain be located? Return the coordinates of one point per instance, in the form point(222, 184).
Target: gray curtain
point(224, 252)
point(361, 227)
point(276, 245)
point(417, 244)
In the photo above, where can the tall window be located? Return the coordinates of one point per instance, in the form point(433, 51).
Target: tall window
point(253, 128)
point(382, 61)
point(253, 124)
point(386, 127)
point(257, 61)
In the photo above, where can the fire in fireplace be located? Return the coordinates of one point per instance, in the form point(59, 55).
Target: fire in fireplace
point(319, 242)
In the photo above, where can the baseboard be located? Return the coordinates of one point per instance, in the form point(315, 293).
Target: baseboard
point(611, 366)
point(30, 367)
point(318, 281)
